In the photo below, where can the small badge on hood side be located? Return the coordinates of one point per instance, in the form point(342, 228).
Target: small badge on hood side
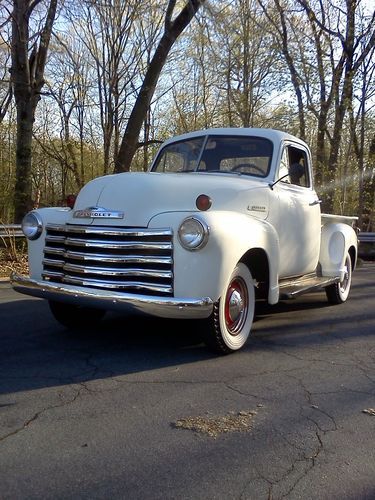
point(98, 212)
point(256, 208)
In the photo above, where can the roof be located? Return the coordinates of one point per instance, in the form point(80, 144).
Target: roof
point(275, 136)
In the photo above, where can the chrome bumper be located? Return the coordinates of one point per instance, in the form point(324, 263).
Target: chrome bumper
point(162, 307)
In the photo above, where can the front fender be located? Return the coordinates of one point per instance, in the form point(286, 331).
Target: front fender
point(205, 272)
point(50, 215)
point(336, 240)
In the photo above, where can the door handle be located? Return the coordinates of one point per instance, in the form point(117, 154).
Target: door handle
point(315, 202)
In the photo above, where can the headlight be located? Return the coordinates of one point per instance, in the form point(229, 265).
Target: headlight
point(193, 233)
point(32, 225)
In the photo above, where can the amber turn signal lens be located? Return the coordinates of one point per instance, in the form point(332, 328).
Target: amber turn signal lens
point(70, 200)
point(203, 202)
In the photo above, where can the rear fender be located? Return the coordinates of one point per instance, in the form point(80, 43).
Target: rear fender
point(336, 241)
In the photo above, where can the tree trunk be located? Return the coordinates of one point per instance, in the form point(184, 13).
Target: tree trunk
point(29, 54)
point(369, 191)
point(321, 153)
point(283, 34)
point(23, 193)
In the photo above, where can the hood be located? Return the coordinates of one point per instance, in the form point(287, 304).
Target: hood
point(141, 196)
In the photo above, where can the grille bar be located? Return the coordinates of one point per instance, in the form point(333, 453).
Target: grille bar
point(52, 274)
point(110, 258)
point(126, 285)
point(53, 263)
point(138, 260)
point(117, 244)
point(107, 271)
point(55, 239)
point(105, 231)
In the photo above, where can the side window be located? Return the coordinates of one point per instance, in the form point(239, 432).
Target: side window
point(300, 173)
point(295, 161)
point(284, 166)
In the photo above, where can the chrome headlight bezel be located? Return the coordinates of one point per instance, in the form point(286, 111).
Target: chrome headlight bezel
point(193, 233)
point(32, 225)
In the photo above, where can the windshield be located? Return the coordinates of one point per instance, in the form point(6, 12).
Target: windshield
point(225, 154)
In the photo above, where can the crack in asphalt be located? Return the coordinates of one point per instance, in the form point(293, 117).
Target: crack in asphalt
point(246, 394)
point(320, 432)
point(312, 459)
point(309, 397)
point(309, 460)
point(356, 364)
point(38, 414)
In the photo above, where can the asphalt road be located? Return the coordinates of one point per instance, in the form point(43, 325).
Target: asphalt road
point(97, 415)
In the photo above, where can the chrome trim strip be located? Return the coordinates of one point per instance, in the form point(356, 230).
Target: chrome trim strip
point(100, 283)
point(98, 257)
point(107, 231)
point(110, 271)
point(53, 262)
point(164, 307)
point(52, 274)
point(299, 287)
point(117, 244)
point(55, 251)
point(55, 239)
point(117, 285)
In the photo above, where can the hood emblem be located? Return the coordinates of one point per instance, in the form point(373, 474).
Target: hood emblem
point(98, 213)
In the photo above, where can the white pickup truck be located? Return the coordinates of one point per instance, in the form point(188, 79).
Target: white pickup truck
point(222, 218)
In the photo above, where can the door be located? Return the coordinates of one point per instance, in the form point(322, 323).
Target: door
point(297, 218)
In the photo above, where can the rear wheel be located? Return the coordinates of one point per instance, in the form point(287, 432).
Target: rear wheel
point(229, 325)
point(75, 317)
point(339, 292)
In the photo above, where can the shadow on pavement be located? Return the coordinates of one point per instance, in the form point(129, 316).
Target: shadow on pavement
point(35, 351)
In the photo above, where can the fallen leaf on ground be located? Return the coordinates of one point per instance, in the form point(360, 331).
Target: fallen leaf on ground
point(369, 411)
point(213, 426)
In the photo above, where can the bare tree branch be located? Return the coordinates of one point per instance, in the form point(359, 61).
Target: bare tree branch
point(139, 112)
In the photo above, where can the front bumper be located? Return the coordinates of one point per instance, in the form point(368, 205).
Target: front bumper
point(162, 307)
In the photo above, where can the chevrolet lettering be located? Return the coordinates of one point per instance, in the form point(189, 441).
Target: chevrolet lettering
point(97, 212)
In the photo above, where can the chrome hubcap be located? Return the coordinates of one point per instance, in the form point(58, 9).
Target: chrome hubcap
point(346, 279)
point(236, 306)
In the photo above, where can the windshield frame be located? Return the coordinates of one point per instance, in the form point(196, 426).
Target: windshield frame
point(216, 137)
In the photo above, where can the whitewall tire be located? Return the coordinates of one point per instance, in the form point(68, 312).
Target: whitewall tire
point(230, 324)
point(339, 292)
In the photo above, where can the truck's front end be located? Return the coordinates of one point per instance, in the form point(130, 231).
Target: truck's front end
point(165, 242)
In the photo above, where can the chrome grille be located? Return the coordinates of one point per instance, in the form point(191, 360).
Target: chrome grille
point(135, 260)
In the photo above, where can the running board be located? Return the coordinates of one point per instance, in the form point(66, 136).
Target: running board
point(292, 288)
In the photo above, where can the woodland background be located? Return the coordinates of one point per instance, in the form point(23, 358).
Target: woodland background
point(90, 88)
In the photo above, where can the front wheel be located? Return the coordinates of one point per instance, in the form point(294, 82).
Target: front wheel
point(230, 323)
point(75, 317)
point(339, 292)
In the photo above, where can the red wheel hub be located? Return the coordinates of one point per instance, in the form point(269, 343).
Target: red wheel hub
point(236, 305)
